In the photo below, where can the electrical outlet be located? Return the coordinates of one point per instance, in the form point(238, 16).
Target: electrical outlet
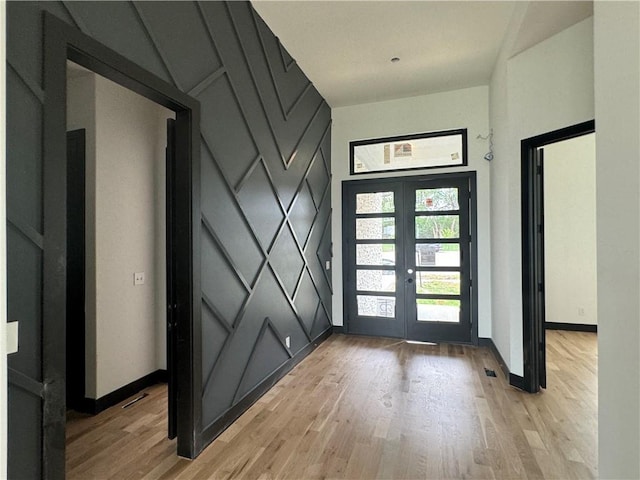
point(327, 265)
point(138, 278)
point(287, 342)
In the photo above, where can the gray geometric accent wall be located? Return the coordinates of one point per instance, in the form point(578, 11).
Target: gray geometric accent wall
point(264, 182)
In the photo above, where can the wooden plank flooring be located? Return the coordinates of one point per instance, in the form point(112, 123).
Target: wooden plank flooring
point(372, 408)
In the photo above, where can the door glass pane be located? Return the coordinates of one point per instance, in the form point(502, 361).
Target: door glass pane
point(447, 311)
point(376, 254)
point(437, 254)
point(376, 228)
point(376, 306)
point(376, 280)
point(376, 202)
point(438, 226)
point(436, 199)
point(438, 283)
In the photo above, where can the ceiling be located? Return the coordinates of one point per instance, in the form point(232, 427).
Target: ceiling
point(346, 47)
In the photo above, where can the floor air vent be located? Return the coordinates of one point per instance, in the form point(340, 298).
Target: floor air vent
point(490, 373)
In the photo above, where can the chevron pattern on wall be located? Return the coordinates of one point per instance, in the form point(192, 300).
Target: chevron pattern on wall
point(264, 183)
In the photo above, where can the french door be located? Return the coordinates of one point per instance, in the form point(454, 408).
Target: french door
point(410, 257)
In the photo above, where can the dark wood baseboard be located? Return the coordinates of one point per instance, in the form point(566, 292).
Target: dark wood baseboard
point(516, 381)
point(513, 379)
point(571, 327)
point(488, 342)
point(95, 406)
point(223, 422)
point(339, 329)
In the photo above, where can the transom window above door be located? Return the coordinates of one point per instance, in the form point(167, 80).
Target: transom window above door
point(407, 152)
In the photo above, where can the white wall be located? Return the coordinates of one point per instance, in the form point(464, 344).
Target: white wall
point(128, 189)
point(466, 108)
point(617, 105)
point(545, 88)
point(570, 231)
point(125, 216)
point(3, 250)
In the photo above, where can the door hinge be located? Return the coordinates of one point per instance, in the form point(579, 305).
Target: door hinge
point(540, 287)
point(539, 228)
point(539, 169)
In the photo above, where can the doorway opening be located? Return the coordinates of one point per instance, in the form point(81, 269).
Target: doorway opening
point(410, 258)
point(64, 43)
point(539, 272)
point(116, 244)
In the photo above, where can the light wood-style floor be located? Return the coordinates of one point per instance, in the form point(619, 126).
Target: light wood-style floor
point(373, 408)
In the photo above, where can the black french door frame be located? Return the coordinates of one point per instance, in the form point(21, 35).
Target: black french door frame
point(61, 43)
point(443, 330)
point(395, 183)
point(533, 295)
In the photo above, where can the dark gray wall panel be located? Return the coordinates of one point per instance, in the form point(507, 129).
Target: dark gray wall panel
point(306, 301)
point(226, 131)
point(118, 26)
point(318, 178)
point(287, 260)
point(260, 203)
point(214, 334)
point(24, 166)
point(290, 84)
point(24, 418)
point(188, 50)
point(221, 210)
point(220, 282)
point(24, 267)
point(321, 322)
point(222, 383)
point(268, 354)
point(23, 29)
point(302, 213)
point(264, 183)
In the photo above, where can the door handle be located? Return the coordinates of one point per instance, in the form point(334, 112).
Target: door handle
point(410, 271)
point(409, 280)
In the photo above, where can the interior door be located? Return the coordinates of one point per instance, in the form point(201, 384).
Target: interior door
point(408, 258)
point(172, 332)
point(438, 260)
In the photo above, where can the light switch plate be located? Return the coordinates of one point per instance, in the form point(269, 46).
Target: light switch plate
point(138, 278)
point(12, 337)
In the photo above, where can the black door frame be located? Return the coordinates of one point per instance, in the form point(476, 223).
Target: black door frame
point(61, 43)
point(75, 324)
point(533, 298)
point(470, 176)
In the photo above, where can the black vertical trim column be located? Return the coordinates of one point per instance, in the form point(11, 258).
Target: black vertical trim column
point(171, 308)
point(75, 324)
point(54, 256)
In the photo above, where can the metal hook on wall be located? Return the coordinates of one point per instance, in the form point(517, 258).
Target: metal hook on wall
point(489, 156)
